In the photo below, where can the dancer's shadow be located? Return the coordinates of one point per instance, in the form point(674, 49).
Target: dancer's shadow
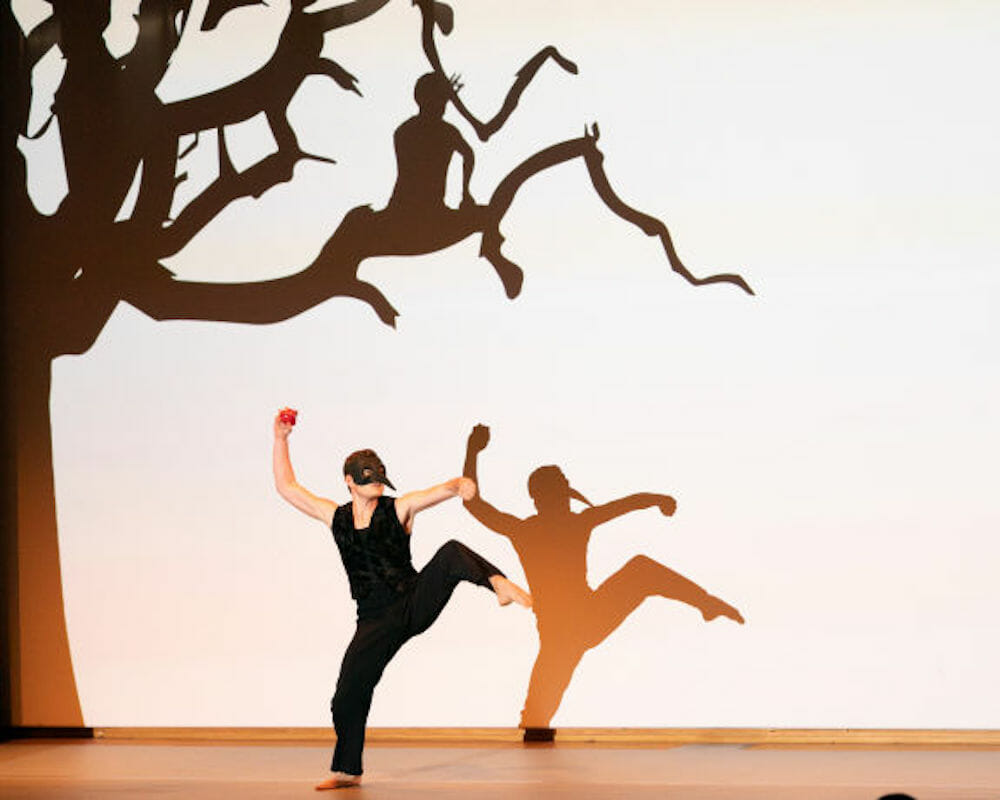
point(552, 546)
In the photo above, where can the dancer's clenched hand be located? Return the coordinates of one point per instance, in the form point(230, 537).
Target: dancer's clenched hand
point(667, 505)
point(466, 488)
point(479, 438)
point(281, 427)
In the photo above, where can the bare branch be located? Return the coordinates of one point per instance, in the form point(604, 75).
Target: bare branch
point(159, 295)
point(157, 41)
point(217, 9)
point(16, 87)
point(347, 14)
point(253, 182)
point(586, 148)
point(42, 38)
point(270, 89)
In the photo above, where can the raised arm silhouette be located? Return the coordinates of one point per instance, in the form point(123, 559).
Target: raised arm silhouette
point(552, 544)
point(439, 16)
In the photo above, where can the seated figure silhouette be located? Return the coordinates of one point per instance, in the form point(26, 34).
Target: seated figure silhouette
point(416, 219)
point(572, 618)
point(425, 145)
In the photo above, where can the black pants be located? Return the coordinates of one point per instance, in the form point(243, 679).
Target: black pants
point(377, 640)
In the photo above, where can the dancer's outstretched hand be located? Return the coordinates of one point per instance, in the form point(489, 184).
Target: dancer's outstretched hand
point(479, 438)
point(667, 505)
point(466, 488)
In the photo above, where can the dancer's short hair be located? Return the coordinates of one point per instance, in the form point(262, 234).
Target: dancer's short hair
point(364, 466)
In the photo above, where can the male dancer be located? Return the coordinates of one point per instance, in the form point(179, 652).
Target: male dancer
point(395, 602)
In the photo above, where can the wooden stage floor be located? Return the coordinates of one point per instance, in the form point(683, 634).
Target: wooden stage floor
point(122, 770)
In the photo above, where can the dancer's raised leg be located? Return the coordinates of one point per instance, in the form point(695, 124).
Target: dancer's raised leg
point(450, 565)
point(643, 577)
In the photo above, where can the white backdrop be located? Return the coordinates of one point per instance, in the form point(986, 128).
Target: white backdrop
point(831, 442)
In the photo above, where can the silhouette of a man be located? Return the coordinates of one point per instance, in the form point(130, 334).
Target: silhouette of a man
point(416, 219)
point(425, 145)
point(395, 602)
point(552, 546)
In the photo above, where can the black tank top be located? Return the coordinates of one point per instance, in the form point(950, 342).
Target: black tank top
point(377, 558)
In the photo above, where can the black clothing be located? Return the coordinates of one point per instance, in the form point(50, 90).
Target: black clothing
point(377, 558)
point(395, 603)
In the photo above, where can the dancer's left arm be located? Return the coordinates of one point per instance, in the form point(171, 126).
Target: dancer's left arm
point(468, 156)
point(410, 503)
point(634, 502)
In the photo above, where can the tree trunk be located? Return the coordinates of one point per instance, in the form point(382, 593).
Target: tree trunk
point(43, 687)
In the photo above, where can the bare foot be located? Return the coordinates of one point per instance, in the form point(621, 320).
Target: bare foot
point(714, 607)
point(508, 592)
point(339, 780)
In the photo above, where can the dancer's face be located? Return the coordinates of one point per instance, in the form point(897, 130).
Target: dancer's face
point(365, 491)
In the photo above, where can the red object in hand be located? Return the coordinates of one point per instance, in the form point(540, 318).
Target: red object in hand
point(288, 415)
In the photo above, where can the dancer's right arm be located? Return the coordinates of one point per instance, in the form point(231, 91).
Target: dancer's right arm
point(486, 514)
point(598, 515)
point(284, 479)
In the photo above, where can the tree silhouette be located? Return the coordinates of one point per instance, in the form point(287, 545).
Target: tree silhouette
point(65, 272)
